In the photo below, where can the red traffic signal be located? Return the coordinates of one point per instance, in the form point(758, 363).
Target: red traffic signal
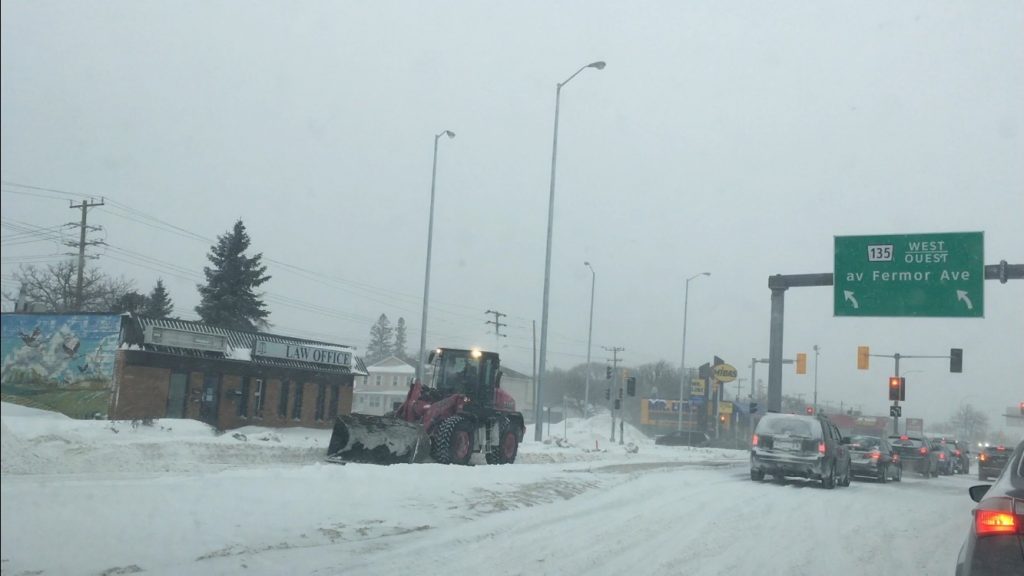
point(897, 388)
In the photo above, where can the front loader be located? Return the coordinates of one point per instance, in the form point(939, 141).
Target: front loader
point(464, 410)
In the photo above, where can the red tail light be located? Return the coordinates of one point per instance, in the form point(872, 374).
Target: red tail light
point(924, 450)
point(956, 452)
point(821, 448)
point(753, 440)
point(995, 516)
point(904, 437)
point(942, 455)
point(875, 455)
point(1000, 448)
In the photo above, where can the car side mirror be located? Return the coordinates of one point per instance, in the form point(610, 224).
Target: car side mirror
point(978, 492)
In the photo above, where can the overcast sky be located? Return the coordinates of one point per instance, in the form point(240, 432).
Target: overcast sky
point(736, 138)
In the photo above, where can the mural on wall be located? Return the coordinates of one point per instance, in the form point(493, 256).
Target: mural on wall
point(59, 362)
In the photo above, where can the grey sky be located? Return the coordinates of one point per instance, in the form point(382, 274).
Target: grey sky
point(736, 138)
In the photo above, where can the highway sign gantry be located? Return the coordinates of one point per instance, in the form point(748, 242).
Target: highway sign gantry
point(922, 275)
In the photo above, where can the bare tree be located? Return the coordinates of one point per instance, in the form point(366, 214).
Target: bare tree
point(52, 289)
point(970, 423)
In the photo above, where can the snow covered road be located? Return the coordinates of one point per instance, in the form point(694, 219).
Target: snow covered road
point(661, 511)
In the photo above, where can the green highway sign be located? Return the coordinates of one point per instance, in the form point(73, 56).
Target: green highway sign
point(923, 275)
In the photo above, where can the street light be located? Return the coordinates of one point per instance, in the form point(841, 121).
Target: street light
point(682, 363)
point(590, 334)
point(538, 432)
point(420, 366)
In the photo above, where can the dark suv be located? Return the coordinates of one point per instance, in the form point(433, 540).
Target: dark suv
point(916, 454)
point(795, 445)
point(991, 461)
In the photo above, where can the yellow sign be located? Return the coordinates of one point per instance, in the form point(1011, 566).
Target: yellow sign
point(696, 387)
point(725, 408)
point(725, 373)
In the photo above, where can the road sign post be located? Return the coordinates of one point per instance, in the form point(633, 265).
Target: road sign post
point(920, 275)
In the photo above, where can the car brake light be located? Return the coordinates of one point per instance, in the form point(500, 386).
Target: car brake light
point(956, 452)
point(942, 455)
point(995, 516)
point(924, 450)
point(1000, 448)
point(875, 455)
point(904, 437)
point(821, 448)
point(754, 440)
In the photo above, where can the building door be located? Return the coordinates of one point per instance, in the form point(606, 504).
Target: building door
point(210, 399)
point(176, 395)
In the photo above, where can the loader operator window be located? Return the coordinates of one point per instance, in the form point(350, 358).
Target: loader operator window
point(460, 374)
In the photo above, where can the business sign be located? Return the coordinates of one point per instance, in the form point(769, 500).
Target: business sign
point(923, 275)
point(724, 372)
point(337, 357)
point(725, 408)
point(59, 362)
point(697, 387)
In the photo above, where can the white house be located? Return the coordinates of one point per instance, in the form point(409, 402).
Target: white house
point(384, 387)
point(521, 387)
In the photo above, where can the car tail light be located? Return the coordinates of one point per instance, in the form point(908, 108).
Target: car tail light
point(1001, 448)
point(895, 457)
point(956, 452)
point(875, 454)
point(753, 440)
point(996, 516)
point(924, 450)
point(942, 455)
point(904, 437)
point(821, 448)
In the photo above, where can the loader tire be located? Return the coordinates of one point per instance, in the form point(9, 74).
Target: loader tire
point(508, 445)
point(453, 442)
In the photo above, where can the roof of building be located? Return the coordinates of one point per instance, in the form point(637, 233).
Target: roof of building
point(510, 373)
point(391, 365)
point(240, 344)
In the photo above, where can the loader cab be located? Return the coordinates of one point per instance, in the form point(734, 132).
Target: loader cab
point(473, 373)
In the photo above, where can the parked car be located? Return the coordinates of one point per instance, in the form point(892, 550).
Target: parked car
point(995, 541)
point(944, 454)
point(684, 438)
point(874, 457)
point(797, 445)
point(991, 461)
point(916, 454)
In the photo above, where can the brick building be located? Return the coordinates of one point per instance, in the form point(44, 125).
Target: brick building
point(227, 378)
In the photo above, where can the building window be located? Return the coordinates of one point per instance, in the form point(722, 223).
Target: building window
point(243, 398)
point(335, 394)
point(257, 398)
point(282, 400)
point(321, 398)
point(297, 408)
point(377, 379)
point(394, 381)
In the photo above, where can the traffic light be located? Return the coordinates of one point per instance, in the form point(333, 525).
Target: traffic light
point(863, 357)
point(897, 388)
point(956, 360)
point(753, 407)
point(607, 393)
point(618, 404)
point(608, 373)
point(631, 386)
point(801, 363)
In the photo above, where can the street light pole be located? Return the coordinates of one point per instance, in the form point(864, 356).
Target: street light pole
point(590, 335)
point(538, 432)
point(816, 349)
point(682, 362)
point(420, 366)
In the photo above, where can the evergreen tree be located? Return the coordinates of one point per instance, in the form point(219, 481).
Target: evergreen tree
point(131, 302)
point(229, 298)
point(380, 340)
point(159, 304)
point(398, 349)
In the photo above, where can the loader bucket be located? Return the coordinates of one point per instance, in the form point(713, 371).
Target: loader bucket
point(377, 440)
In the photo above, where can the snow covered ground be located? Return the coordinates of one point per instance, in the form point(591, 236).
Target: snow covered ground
point(176, 497)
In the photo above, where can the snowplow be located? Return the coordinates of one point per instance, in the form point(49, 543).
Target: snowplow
point(463, 411)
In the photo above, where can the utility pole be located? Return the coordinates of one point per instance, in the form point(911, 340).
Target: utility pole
point(536, 387)
point(615, 374)
point(81, 244)
point(816, 350)
point(497, 327)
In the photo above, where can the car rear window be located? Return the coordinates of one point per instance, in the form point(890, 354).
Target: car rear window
point(865, 442)
point(791, 425)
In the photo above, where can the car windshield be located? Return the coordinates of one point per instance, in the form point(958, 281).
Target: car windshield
point(683, 266)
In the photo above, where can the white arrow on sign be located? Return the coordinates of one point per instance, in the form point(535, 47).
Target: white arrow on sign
point(962, 295)
point(849, 298)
